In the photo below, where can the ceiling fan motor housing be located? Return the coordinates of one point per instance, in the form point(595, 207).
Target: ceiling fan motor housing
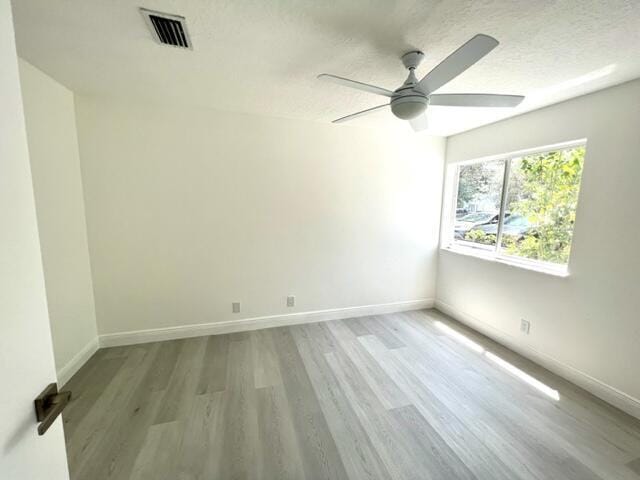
point(406, 103)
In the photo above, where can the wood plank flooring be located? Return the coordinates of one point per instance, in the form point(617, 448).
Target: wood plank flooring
point(402, 396)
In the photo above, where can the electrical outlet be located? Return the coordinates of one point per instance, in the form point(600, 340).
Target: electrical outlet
point(235, 307)
point(291, 301)
point(525, 326)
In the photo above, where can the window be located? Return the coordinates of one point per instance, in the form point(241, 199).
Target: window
point(518, 208)
point(479, 197)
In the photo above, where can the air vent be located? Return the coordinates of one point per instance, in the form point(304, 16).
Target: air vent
point(167, 29)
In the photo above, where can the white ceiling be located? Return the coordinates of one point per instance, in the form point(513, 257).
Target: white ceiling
point(262, 56)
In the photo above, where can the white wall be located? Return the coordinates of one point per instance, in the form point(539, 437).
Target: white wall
point(55, 166)
point(585, 325)
point(26, 356)
point(189, 210)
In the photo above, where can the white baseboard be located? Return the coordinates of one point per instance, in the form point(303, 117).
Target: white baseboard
point(78, 360)
point(255, 323)
point(609, 394)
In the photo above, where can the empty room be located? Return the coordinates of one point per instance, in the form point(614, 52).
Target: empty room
point(296, 239)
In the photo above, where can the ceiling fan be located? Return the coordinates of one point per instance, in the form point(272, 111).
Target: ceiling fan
point(410, 101)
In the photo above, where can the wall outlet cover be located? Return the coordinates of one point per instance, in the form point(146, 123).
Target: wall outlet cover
point(525, 326)
point(291, 301)
point(235, 307)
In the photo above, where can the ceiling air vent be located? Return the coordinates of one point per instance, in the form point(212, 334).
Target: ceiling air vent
point(167, 29)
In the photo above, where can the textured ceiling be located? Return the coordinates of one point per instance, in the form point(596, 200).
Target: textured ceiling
point(262, 56)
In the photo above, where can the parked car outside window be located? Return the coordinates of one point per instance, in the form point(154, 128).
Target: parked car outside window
point(516, 226)
point(472, 220)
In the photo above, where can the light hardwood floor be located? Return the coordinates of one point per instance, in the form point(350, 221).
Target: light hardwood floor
point(393, 396)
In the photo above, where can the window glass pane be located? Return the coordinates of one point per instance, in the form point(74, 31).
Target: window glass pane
point(541, 205)
point(478, 202)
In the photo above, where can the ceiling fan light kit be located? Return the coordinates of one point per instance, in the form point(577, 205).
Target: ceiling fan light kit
point(410, 101)
point(407, 107)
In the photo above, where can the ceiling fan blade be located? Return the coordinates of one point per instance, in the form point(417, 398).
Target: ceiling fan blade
point(475, 100)
point(457, 62)
point(359, 114)
point(420, 122)
point(354, 84)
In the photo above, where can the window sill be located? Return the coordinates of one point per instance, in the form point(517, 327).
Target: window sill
point(556, 271)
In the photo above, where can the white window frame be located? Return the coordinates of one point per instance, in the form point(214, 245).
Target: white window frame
point(494, 252)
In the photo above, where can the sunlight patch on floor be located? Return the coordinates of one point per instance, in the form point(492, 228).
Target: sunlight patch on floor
point(525, 377)
point(458, 336)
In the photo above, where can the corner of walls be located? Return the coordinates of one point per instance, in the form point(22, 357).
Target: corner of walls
point(87, 250)
point(55, 162)
point(70, 368)
point(443, 200)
